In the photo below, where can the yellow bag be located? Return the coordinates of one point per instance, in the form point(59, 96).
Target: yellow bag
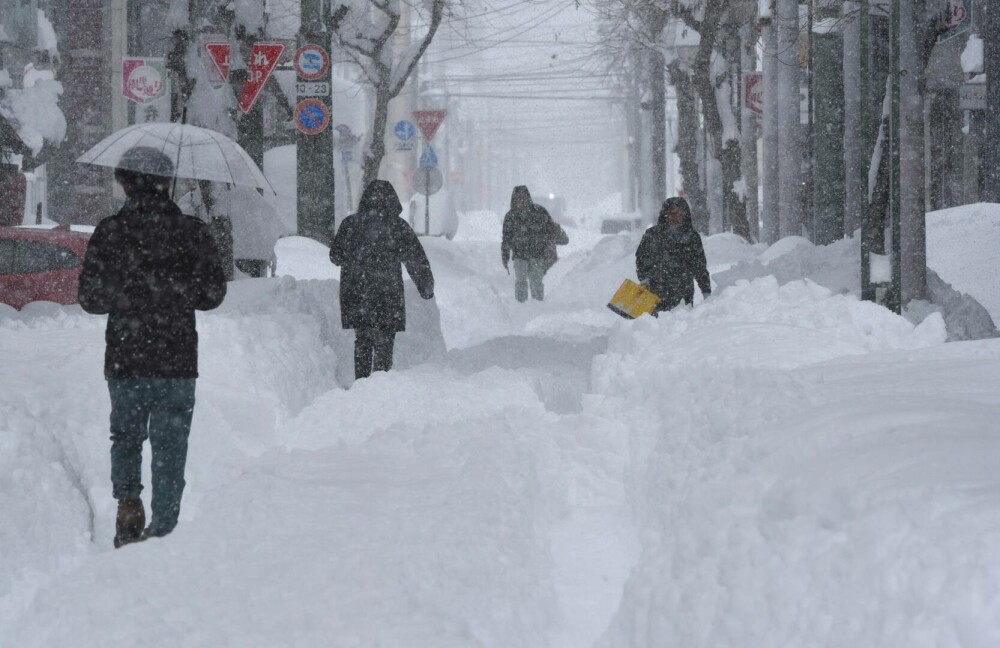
point(632, 300)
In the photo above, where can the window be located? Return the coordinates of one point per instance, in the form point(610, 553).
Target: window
point(35, 256)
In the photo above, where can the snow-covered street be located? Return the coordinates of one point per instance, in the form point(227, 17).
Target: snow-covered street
point(780, 465)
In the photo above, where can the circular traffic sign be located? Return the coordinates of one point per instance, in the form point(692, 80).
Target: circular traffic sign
point(312, 116)
point(311, 62)
point(427, 181)
point(405, 130)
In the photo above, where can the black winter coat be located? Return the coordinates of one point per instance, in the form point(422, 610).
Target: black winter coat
point(528, 230)
point(530, 234)
point(149, 268)
point(370, 247)
point(670, 262)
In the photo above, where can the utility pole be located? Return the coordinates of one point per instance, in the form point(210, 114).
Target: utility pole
point(854, 178)
point(989, 24)
point(789, 119)
point(769, 132)
point(314, 153)
point(912, 242)
point(894, 301)
point(810, 178)
point(827, 130)
point(748, 129)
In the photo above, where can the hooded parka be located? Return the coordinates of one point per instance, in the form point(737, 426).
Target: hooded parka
point(370, 247)
point(528, 230)
point(670, 260)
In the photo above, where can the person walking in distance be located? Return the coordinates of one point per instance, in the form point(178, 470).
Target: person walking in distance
point(671, 257)
point(529, 237)
point(371, 246)
point(149, 268)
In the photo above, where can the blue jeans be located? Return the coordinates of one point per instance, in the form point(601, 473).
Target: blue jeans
point(159, 409)
point(528, 274)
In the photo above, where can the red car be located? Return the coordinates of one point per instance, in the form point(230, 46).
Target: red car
point(40, 264)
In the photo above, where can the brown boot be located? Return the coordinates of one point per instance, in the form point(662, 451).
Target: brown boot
point(131, 521)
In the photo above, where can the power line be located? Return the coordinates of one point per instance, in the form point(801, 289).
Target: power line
point(539, 97)
point(545, 15)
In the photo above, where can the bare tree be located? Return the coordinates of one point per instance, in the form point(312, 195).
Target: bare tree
point(631, 41)
point(688, 129)
point(710, 72)
point(365, 31)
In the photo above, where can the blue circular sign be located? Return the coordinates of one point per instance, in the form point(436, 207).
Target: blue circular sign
point(312, 116)
point(405, 130)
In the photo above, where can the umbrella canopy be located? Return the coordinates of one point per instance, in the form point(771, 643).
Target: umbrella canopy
point(197, 153)
point(256, 224)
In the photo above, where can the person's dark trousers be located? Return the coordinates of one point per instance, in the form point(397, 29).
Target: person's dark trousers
point(160, 409)
point(372, 351)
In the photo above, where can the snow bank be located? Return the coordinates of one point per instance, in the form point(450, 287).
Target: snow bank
point(271, 348)
point(962, 247)
point(803, 483)
point(779, 465)
point(837, 267)
point(480, 226)
point(287, 300)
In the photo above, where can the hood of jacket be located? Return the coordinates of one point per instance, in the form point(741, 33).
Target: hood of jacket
point(379, 196)
point(676, 203)
point(520, 198)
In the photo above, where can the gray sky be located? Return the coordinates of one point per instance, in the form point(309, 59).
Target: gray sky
point(533, 86)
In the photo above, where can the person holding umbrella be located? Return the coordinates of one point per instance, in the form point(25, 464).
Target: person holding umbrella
point(149, 268)
point(370, 247)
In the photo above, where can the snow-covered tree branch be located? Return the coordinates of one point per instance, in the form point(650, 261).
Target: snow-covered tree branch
point(369, 33)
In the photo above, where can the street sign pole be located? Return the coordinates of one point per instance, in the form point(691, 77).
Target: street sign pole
point(428, 122)
point(314, 152)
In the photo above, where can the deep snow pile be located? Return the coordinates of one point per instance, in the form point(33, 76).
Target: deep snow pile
point(838, 267)
point(273, 347)
point(815, 475)
point(780, 465)
point(963, 246)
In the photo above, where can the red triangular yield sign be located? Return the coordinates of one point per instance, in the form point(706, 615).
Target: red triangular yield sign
point(263, 59)
point(219, 53)
point(428, 121)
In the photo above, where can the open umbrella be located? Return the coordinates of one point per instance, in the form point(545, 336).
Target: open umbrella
point(197, 153)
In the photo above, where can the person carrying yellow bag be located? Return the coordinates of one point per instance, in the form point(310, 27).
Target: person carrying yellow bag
point(671, 257)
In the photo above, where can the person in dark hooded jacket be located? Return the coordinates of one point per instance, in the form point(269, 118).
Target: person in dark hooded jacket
point(671, 257)
point(370, 247)
point(530, 237)
point(149, 268)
